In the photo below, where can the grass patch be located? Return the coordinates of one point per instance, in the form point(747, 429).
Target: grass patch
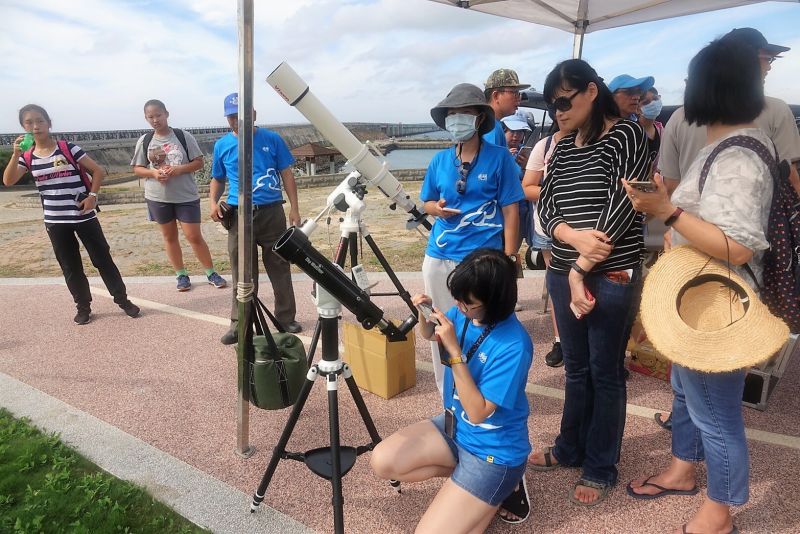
point(47, 487)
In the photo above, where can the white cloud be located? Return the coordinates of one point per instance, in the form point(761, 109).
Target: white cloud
point(93, 65)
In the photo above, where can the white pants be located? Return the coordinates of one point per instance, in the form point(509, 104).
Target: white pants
point(434, 274)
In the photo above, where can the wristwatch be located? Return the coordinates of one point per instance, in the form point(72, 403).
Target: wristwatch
point(456, 359)
point(514, 257)
point(92, 194)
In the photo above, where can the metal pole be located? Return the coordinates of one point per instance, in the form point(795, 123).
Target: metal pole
point(581, 22)
point(245, 222)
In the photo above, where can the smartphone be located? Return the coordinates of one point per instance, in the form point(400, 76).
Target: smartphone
point(426, 311)
point(451, 210)
point(80, 197)
point(645, 187)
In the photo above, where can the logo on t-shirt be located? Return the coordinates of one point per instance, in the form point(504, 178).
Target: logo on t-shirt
point(483, 176)
point(59, 161)
point(265, 148)
point(269, 180)
point(482, 357)
point(481, 216)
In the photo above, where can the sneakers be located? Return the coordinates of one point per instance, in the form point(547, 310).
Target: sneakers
point(130, 309)
point(231, 337)
point(555, 358)
point(184, 284)
point(214, 279)
point(84, 316)
point(293, 327)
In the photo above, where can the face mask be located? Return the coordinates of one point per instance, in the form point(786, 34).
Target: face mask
point(651, 110)
point(461, 126)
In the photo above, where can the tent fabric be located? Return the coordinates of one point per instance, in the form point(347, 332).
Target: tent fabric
point(599, 15)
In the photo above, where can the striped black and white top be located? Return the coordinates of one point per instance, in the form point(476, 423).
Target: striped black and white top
point(584, 189)
point(58, 183)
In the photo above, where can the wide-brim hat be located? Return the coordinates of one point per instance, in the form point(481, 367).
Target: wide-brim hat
point(626, 81)
point(464, 95)
point(699, 314)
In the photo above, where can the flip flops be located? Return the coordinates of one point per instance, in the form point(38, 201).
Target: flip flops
point(666, 424)
point(663, 492)
point(549, 464)
point(601, 488)
point(518, 503)
point(734, 530)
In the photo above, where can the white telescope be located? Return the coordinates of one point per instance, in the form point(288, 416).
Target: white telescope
point(297, 93)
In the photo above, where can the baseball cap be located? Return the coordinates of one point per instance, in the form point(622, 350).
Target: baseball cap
point(505, 78)
point(232, 104)
point(516, 122)
point(626, 81)
point(753, 37)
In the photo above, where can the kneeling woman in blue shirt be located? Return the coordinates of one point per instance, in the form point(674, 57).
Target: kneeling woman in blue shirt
point(481, 439)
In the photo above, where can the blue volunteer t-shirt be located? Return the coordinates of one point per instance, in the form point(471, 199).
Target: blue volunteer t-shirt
point(500, 369)
point(492, 183)
point(496, 136)
point(270, 157)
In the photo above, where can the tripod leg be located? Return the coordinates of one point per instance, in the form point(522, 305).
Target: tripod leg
point(365, 416)
point(312, 348)
point(280, 448)
point(336, 464)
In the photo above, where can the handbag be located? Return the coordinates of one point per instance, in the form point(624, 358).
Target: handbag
point(279, 365)
point(227, 214)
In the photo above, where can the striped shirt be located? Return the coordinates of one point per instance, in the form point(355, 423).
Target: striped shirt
point(584, 189)
point(58, 183)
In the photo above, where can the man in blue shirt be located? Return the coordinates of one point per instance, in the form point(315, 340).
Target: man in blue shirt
point(272, 164)
point(502, 93)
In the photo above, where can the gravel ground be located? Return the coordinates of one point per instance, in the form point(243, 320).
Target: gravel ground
point(138, 249)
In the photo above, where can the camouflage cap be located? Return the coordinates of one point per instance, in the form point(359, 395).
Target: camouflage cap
point(505, 78)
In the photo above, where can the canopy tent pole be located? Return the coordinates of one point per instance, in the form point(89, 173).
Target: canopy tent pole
point(581, 23)
point(244, 288)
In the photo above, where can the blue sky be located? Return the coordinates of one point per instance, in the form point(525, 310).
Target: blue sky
point(94, 64)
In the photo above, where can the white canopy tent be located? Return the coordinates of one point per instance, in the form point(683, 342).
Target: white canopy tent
point(585, 16)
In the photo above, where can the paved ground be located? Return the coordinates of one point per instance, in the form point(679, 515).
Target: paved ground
point(153, 399)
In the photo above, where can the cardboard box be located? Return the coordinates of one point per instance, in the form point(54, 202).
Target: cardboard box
point(379, 366)
point(645, 359)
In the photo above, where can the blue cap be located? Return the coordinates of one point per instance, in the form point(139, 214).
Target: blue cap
point(626, 81)
point(516, 122)
point(232, 104)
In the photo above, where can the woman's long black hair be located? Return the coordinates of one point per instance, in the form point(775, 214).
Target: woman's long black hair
point(577, 74)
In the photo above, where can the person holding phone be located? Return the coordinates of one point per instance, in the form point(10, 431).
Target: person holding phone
point(69, 206)
point(480, 441)
point(595, 274)
point(167, 159)
point(473, 190)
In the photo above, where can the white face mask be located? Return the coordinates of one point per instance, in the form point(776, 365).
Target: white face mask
point(461, 125)
point(653, 109)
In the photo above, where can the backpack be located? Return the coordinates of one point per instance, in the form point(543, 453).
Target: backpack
point(63, 146)
point(781, 288)
point(148, 137)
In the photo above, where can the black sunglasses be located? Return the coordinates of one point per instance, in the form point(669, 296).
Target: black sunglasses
point(461, 183)
point(564, 103)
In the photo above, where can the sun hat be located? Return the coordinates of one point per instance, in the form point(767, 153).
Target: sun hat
point(517, 121)
point(505, 78)
point(232, 104)
point(626, 81)
point(699, 314)
point(754, 38)
point(464, 95)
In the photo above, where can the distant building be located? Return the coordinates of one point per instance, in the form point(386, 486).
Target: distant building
point(316, 156)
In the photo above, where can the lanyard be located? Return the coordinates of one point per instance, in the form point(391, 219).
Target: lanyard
point(474, 347)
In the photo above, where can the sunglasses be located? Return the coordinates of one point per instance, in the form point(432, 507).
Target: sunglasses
point(461, 183)
point(768, 59)
point(564, 103)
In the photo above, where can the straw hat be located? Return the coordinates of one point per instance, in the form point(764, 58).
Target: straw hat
point(700, 315)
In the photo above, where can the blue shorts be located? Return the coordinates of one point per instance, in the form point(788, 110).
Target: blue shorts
point(166, 212)
point(491, 483)
point(541, 242)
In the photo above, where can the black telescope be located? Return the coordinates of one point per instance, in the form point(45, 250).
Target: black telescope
point(294, 247)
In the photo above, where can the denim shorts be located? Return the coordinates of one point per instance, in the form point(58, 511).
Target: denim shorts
point(491, 483)
point(540, 242)
point(165, 212)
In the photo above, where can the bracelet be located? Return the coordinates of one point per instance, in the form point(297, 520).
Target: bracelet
point(578, 269)
point(674, 217)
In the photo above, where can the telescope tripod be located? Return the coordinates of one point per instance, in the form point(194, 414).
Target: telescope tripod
point(335, 461)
